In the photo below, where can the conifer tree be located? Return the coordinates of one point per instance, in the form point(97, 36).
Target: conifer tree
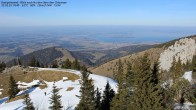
point(191, 95)
point(168, 100)
point(28, 104)
point(13, 88)
point(194, 63)
point(178, 69)
point(75, 65)
point(187, 66)
point(42, 65)
point(122, 98)
point(2, 66)
point(180, 90)
point(108, 95)
point(147, 94)
point(129, 77)
point(67, 64)
point(37, 64)
point(98, 100)
point(55, 99)
point(87, 98)
point(32, 62)
point(118, 75)
point(55, 64)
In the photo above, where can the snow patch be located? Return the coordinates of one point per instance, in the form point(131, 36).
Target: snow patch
point(0, 91)
point(23, 85)
point(185, 106)
point(69, 98)
point(188, 76)
point(65, 78)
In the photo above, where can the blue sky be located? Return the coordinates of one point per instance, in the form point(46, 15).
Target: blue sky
point(103, 12)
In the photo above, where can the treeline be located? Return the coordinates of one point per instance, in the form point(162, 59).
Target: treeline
point(67, 64)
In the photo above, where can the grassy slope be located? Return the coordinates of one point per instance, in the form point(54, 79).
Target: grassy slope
point(28, 75)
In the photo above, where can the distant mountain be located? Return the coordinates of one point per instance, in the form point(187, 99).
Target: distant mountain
point(46, 56)
point(183, 49)
point(98, 57)
point(90, 58)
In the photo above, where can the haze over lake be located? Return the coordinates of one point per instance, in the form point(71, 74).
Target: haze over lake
point(116, 34)
point(85, 37)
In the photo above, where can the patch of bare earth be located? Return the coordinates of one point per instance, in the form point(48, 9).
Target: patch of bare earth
point(70, 88)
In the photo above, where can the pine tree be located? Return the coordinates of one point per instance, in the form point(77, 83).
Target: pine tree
point(55, 99)
point(37, 64)
point(179, 69)
point(129, 77)
point(168, 98)
point(118, 75)
point(55, 64)
point(147, 93)
point(67, 64)
point(98, 100)
point(32, 62)
point(191, 95)
point(108, 95)
point(87, 98)
point(28, 104)
point(122, 99)
point(180, 89)
point(194, 64)
point(75, 65)
point(176, 69)
point(2, 66)
point(13, 88)
point(173, 66)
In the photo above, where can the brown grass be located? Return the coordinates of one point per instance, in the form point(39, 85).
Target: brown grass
point(33, 75)
point(70, 88)
point(57, 75)
point(16, 98)
point(108, 68)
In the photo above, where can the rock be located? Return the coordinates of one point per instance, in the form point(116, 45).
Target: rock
point(183, 49)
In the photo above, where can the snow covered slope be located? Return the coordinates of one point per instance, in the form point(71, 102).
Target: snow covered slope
point(69, 99)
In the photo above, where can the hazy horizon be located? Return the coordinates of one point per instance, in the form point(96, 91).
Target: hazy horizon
point(103, 33)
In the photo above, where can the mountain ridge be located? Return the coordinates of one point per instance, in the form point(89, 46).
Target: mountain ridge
point(108, 68)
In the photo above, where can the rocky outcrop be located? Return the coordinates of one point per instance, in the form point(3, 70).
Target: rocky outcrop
point(184, 49)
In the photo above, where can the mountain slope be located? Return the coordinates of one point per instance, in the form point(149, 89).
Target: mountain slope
point(90, 58)
point(154, 55)
point(46, 56)
point(98, 57)
point(69, 88)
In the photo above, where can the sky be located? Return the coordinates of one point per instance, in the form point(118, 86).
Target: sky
point(103, 12)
